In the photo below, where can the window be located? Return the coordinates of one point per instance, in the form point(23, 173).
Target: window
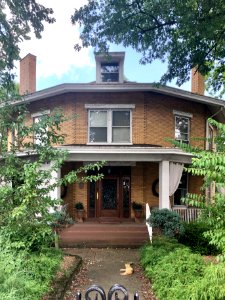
point(109, 126)
point(41, 135)
point(181, 190)
point(182, 125)
point(110, 72)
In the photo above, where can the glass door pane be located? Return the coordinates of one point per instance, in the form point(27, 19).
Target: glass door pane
point(109, 194)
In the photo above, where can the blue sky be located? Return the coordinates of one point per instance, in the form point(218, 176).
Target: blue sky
point(57, 61)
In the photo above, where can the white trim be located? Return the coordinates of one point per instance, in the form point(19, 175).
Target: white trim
point(109, 126)
point(40, 113)
point(189, 128)
point(182, 113)
point(109, 106)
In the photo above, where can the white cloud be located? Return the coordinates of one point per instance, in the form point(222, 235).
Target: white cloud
point(55, 51)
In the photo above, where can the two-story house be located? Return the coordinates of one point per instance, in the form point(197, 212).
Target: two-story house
point(127, 125)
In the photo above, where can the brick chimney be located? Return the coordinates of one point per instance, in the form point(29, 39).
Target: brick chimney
point(28, 74)
point(197, 82)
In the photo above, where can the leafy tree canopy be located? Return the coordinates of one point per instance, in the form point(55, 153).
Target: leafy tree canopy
point(186, 34)
point(17, 19)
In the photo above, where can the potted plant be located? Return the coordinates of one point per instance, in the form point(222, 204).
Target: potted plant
point(80, 211)
point(138, 210)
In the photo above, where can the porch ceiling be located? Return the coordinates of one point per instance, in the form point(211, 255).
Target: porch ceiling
point(126, 154)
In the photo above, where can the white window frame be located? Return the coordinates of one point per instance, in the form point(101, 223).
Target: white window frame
point(188, 116)
point(109, 109)
point(36, 116)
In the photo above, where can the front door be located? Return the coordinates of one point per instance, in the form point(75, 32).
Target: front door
point(109, 197)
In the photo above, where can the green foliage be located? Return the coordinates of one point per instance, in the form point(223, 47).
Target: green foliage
point(17, 20)
point(26, 176)
point(160, 247)
point(24, 276)
point(61, 217)
point(174, 272)
point(137, 205)
point(178, 274)
point(79, 205)
point(194, 237)
point(211, 165)
point(169, 222)
point(210, 286)
point(160, 30)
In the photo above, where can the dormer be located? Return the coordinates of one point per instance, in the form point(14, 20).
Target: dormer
point(109, 67)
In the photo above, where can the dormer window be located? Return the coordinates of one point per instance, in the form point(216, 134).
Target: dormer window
point(109, 67)
point(110, 72)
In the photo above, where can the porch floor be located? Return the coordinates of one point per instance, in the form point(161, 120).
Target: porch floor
point(88, 234)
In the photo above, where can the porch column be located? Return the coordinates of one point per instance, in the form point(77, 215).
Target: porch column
point(164, 171)
point(56, 193)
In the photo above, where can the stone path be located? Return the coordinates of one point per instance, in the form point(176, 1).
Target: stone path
point(102, 267)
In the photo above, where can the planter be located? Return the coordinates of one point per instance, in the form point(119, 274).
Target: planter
point(138, 215)
point(80, 215)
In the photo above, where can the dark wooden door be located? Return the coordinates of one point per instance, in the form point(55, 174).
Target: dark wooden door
point(109, 199)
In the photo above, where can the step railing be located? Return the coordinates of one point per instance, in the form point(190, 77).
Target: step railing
point(187, 214)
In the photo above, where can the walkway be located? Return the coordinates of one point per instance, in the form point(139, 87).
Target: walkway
point(102, 267)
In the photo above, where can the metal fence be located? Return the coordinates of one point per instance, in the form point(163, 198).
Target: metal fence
point(116, 292)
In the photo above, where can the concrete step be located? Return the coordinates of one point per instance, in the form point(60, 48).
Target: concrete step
point(104, 235)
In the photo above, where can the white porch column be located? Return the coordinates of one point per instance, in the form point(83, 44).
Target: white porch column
point(164, 171)
point(56, 193)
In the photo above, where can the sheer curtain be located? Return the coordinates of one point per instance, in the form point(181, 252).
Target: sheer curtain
point(176, 170)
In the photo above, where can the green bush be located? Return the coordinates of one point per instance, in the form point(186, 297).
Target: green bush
point(24, 276)
point(210, 286)
point(160, 247)
point(31, 238)
point(178, 274)
point(194, 238)
point(169, 222)
point(174, 272)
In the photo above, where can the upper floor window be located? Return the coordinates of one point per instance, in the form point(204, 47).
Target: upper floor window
point(110, 72)
point(109, 126)
point(39, 134)
point(182, 126)
point(109, 67)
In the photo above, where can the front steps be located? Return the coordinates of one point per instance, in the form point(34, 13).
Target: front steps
point(130, 235)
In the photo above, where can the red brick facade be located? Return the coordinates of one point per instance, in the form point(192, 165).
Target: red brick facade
point(152, 122)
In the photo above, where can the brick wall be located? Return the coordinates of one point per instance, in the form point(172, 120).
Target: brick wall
point(152, 119)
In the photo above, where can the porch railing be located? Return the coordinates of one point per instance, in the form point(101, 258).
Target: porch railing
point(187, 214)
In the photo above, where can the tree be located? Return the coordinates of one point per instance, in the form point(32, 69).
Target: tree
point(26, 177)
point(211, 166)
point(186, 34)
point(17, 19)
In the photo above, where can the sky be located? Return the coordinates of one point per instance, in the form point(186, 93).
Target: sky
point(58, 62)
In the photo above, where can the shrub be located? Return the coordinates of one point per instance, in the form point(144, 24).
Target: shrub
point(210, 286)
point(79, 205)
point(174, 272)
point(178, 274)
point(26, 277)
point(137, 205)
point(194, 238)
point(169, 222)
point(160, 247)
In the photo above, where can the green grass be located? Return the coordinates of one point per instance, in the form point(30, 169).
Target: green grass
point(26, 276)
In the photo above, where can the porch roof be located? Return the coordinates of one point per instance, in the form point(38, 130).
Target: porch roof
point(126, 154)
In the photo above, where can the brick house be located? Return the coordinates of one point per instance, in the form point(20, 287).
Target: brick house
point(126, 124)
